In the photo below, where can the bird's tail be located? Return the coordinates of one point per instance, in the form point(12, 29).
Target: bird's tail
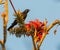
point(13, 24)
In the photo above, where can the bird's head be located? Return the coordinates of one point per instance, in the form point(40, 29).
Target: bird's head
point(26, 11)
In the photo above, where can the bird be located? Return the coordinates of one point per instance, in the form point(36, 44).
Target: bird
point(22, 14)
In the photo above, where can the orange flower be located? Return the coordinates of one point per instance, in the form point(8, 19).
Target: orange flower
point(3, 14)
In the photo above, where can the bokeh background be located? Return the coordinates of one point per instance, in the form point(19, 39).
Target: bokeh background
point(39, 9)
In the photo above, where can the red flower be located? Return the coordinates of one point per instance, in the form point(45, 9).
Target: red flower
point(39, 37)
point(34, 24)
point(27, 27)
point(39, 26)
point(39, 23)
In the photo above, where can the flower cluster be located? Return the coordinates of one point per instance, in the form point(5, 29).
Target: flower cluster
point(39, 26)
point(28, 29)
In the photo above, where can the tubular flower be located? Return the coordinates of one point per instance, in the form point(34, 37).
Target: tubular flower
point(27, 27)
point(39, 35)
point(39, 26)
point(33, 23)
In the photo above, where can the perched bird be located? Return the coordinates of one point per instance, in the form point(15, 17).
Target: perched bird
point(21, 14)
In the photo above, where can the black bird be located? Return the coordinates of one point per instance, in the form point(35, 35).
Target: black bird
point(22, 14)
